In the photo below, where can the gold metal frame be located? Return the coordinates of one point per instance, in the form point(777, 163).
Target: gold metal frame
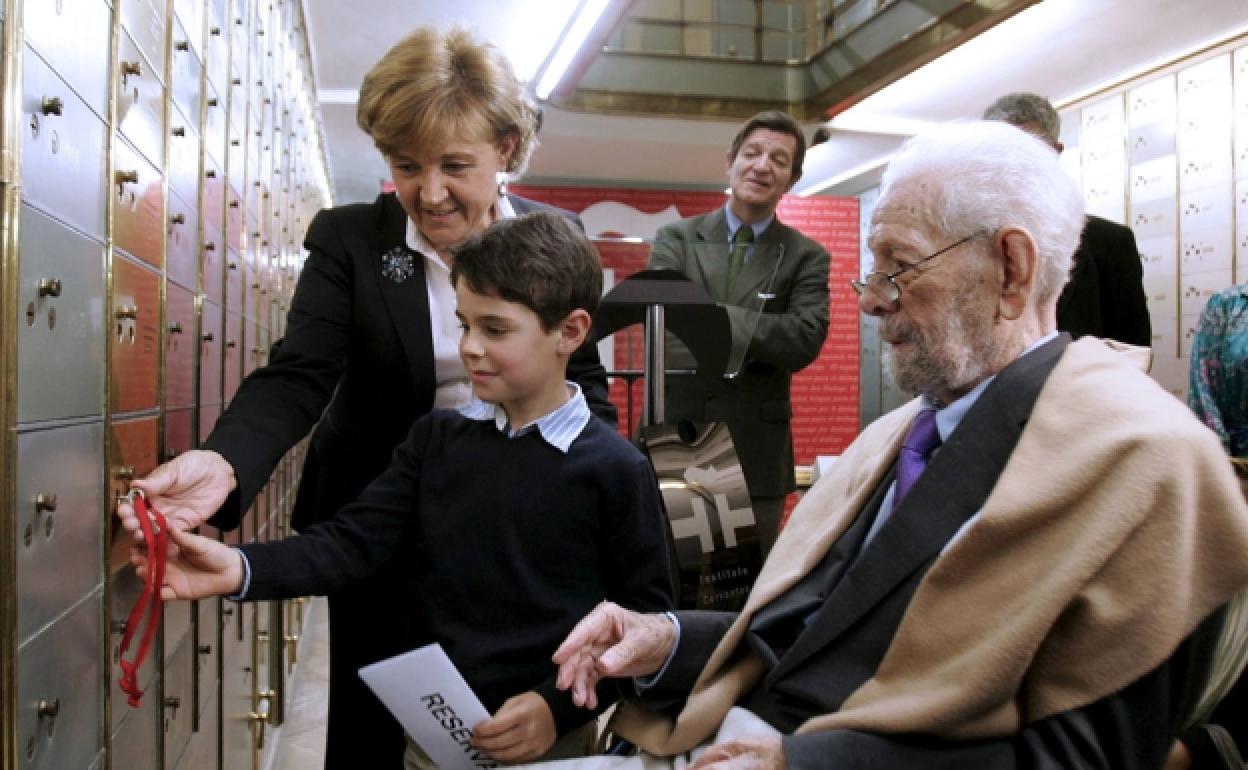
point(10, 82)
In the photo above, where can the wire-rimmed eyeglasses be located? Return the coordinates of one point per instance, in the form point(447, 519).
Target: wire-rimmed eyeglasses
point(883, 285)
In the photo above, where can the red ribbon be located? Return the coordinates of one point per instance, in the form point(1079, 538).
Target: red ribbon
point(148, 605)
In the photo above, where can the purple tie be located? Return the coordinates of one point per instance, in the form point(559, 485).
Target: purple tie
point(915, 450)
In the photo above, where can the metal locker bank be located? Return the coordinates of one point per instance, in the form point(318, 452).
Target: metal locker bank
point(159, 162)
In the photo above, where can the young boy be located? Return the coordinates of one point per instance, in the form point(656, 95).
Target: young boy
point(517, 513)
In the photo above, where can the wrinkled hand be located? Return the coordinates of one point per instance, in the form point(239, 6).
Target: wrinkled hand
point(744, 754)
point(196, 567)
point(187, 490)
point(613, 642)
point(521, 731)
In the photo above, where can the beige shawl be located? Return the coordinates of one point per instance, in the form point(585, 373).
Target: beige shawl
point(1117, 526)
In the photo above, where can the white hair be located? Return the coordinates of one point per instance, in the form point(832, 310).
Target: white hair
point(987, 175)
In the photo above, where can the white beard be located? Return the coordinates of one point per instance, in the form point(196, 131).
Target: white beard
point(948, 357)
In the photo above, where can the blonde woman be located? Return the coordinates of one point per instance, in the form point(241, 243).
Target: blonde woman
point(371, 340)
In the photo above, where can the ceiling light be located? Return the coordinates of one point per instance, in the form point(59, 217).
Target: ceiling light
point(532, 31)
point(879, 124)
point(845, 176)
point(587, 16)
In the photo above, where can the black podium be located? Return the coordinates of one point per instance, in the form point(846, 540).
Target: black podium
point(715, 546)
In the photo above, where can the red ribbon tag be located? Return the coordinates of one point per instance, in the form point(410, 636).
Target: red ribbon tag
point(148, 605)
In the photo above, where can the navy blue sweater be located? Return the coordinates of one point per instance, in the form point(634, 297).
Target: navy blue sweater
point(509, 541)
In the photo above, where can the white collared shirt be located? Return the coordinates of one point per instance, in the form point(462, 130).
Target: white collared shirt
point(453, 387)
point(558, 427)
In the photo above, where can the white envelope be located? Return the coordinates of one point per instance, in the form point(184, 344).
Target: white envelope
point(430, 698)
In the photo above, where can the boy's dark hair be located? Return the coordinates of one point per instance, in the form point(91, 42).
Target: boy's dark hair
point(540, 260)
point(775, 120)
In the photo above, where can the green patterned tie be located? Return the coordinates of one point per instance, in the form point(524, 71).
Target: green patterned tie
point(741, 241)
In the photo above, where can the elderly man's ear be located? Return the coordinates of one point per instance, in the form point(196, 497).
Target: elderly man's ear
point(1018, 271)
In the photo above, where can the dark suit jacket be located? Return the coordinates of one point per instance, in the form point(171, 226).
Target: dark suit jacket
point(1105, 295)
point(755, 405)
point(840, 642)
point(356, 362)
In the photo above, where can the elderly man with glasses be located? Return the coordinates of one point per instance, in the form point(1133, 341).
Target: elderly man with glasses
point(1020, 568)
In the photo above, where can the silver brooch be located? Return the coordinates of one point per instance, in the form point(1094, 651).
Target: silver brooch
point(396, 264)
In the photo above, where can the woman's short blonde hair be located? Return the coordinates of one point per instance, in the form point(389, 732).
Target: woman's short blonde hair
point(437, 86)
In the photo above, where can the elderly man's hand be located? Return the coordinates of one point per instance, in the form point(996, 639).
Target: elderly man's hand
point(614, 642)
point(187, 490)
point(744, 754)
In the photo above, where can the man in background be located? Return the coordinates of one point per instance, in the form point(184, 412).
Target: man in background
point(1105, 295)
point(746, 258)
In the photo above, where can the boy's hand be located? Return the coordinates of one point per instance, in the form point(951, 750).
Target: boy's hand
point(196, 567)
point(521, 731)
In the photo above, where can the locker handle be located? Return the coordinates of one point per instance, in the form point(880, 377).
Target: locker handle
point(260, 718)
point(231, 344)
point(131, 68)
point(125, 472)
point(127, 312)
point(207, 337)
point(50, 287)
point(182, 45)
point(49, 708)
point(178, 219)
point(210, 246)
point(212, 101)
point(215, 32)
point(175, 327)
point(178, 131)
point(45, 503)
point(210, 173)
point(233, 266)
point(51, 105)
point(126, 177)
